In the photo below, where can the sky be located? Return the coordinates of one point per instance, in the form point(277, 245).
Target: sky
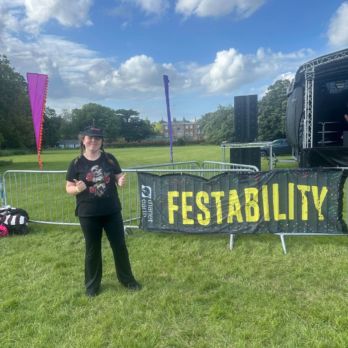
point(115, 52)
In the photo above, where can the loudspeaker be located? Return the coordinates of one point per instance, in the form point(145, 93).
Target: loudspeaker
point(245, 118)
point(250, 156)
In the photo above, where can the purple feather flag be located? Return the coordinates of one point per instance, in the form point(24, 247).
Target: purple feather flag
point(37, 90)
point(166, 90)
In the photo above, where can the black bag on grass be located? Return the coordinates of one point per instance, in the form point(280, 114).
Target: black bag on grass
point(16, 219)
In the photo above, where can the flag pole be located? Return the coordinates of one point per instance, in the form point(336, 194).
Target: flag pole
point(170, 130)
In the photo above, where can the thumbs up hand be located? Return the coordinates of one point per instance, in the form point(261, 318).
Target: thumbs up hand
point(121, 179)
point(80, 186)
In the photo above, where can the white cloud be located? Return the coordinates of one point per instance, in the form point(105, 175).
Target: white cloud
point(285, 76)
point(338, 28)
point(214, 8)
point(231, 69)
point(140, 73)
point(155, 7)
point(200, 8)
point(66, 12)
point(74, 70)
point(29, 15)
point(226, 71)
point(9, 15)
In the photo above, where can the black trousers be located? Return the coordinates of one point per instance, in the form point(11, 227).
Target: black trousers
point(92, 228)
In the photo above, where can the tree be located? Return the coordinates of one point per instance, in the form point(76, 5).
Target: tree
point(52, 127)
point(116, 123)
point(98, 115)
point(218, 126)
point(272, 111)
point(66, 131)
point(157, 127)
point(15, 115)
point(133, 127)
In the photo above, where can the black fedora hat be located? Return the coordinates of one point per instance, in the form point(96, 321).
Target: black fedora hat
point(92, 132)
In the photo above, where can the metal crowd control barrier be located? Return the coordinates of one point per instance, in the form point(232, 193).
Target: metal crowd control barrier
point(42, 193)
point(260, 144)
point(344, 217)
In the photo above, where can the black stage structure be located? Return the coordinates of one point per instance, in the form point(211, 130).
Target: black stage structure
point(317, 103)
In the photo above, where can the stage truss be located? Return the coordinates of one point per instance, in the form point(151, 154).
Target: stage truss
point(309, 69)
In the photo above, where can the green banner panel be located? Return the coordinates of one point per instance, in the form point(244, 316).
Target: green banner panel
point(279, 201)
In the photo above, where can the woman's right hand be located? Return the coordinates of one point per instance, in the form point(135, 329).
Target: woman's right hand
point(80, 186)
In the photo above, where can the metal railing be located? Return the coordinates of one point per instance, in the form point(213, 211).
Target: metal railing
point(42, 193)
point(268, 144)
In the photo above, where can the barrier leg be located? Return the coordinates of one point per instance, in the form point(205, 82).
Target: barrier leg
point(281, 235)
point(231, 241)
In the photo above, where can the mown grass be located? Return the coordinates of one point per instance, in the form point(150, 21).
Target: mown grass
point(128, 157)
point(197, 293)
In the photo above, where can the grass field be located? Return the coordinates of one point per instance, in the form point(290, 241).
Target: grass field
point(59, 159)
point(197, 293)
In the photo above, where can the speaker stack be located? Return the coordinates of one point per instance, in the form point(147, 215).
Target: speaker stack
point(246, 128)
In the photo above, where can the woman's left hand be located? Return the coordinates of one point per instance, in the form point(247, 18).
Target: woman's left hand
point(121, 179)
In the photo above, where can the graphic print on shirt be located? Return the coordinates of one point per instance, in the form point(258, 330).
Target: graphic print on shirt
point(99, 180)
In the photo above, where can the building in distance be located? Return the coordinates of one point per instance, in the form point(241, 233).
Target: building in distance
point(188, 130)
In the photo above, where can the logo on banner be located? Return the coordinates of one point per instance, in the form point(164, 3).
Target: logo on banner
point(146, 191)
point(146, 203)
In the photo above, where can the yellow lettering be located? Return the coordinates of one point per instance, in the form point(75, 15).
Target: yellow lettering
point(171, 206)
point(265, 203)
point(276, 203)
point(234, 207)
point(303, 189)
point(197, 206)
point(217, 196)
point(186, 208)
point(201, 198)
point(252, 210)
point(319, 199)
point(291, 201)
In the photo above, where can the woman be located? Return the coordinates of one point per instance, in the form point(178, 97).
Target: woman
point(92, 178)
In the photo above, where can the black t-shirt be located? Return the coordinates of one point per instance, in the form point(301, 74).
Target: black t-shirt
point(100, 196)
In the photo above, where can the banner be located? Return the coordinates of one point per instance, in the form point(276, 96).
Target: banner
point(279, 201)
point(37, 89)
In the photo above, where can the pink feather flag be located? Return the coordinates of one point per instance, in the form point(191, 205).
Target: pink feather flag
point(37, 90)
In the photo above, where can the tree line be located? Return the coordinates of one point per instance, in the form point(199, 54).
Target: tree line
point(218, 126)
point(121, 124)
point(16, 129)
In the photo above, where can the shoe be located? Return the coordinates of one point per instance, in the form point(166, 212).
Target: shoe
point(92, 293)
point(133, 285)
